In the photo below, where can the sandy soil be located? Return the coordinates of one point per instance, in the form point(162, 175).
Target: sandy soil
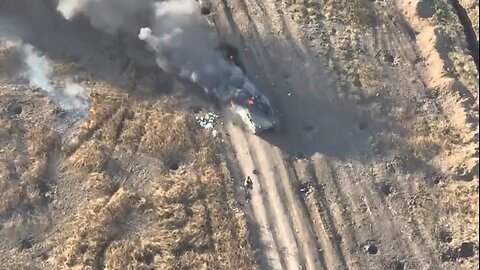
point(375, 165)
point(353, 178)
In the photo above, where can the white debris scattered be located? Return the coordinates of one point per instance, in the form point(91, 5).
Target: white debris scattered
point(207, 122)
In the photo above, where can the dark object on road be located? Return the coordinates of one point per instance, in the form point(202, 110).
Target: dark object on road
point(248, 183)
point(252, 112)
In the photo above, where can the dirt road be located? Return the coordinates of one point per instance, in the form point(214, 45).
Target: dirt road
point(340, 186)
point(375, 165)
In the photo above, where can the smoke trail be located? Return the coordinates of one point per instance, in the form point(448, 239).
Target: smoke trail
point(183, 43)
point(74, 97)
point(39, 70)
point(111, 16)
point(178, 34)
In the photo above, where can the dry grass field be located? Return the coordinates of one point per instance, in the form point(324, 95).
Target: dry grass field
point(375, 166)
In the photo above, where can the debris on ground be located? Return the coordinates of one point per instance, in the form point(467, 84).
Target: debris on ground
point(306, 189)
point(207, 122)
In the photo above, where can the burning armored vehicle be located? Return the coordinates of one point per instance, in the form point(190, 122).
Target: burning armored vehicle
point(248, 107)
point(245, 105)
point(227, 83)
point(221, 76)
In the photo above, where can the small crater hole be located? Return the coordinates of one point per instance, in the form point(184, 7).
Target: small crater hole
point(26, 243)
point(386, 189)
point(16, 109)
point(205, 10)
point(173, 166)
point(371, 249)
point(445, 236)
point(82, 248)
point(148, 257)
point(466, 250)
point(388, 58)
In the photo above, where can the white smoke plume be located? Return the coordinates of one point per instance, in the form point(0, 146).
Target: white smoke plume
point(70, 8)
point(39, 70)
point(111, 16)
point(175, 30)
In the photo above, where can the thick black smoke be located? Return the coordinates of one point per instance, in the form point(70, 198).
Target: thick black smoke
point(174, 30)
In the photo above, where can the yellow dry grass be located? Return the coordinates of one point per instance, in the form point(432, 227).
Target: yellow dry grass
point(113, 210)
point(167, 133)
point(94, 226)
point(90, 157)
point(462, 201)
point(191, 222)
point(100, 184)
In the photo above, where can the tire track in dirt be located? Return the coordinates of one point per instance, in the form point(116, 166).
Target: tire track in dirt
point(322, 227)
point(282, 224)
point(273, 169)
point(274, 198)
point(302, 222)
point(268, 242)
point(380, 220)
point(458, 102)
point(425, 244)
point(347, 212)
point(322, 213)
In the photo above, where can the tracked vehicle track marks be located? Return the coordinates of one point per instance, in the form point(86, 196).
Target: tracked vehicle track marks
point(281, 222)
point(271, 250)
point(319, 213)
point(296, 208)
